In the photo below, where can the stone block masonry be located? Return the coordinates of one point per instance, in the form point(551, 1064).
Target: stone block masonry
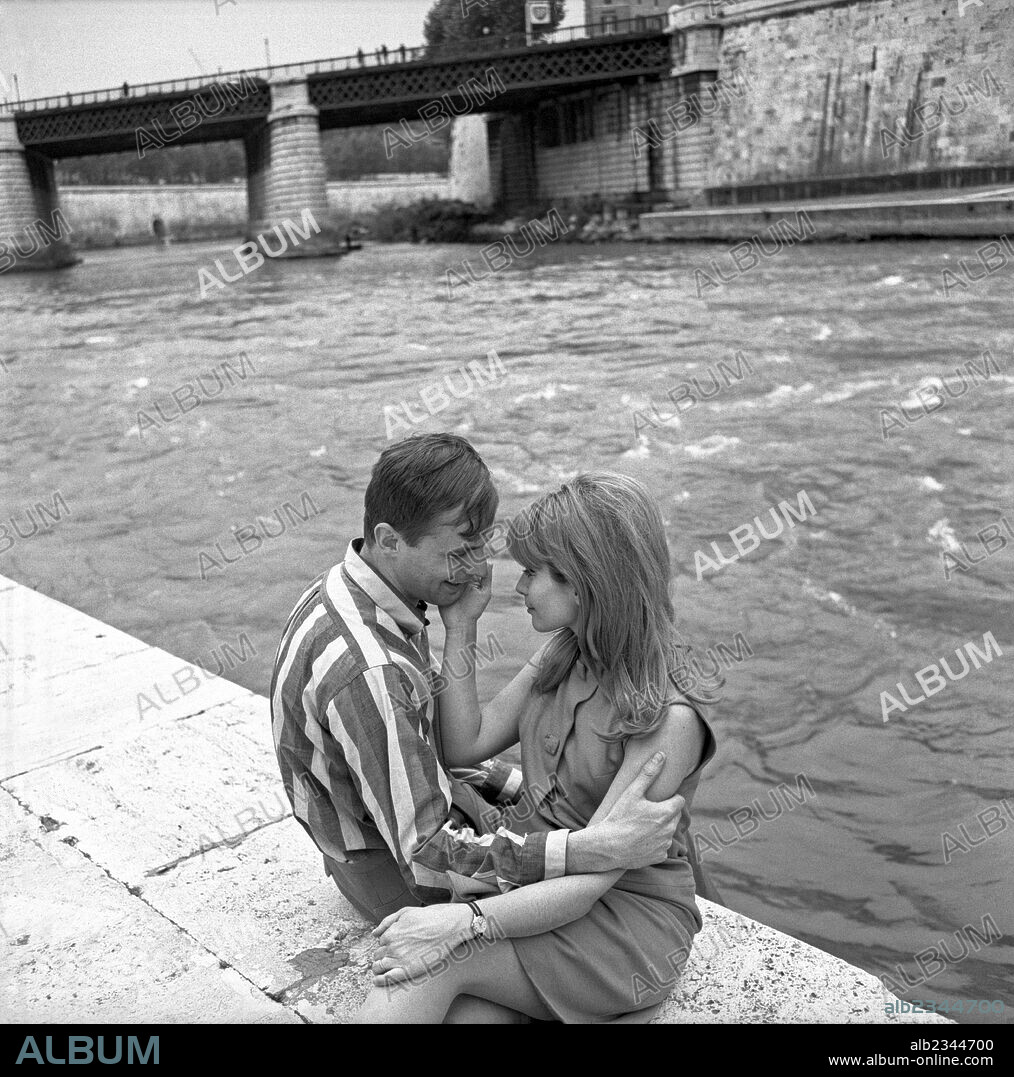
point(582, 144)
point(828, 77)
point(285, 166)
point(829, 85)
point(33, 231)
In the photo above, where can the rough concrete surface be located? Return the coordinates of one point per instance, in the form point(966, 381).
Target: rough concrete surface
point(79, 947)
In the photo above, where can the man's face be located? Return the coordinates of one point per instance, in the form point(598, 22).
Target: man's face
point(436, 569)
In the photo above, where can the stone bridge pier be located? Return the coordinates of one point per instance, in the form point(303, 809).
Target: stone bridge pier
point(286, 179)
point(33, 231)
point(696, 35)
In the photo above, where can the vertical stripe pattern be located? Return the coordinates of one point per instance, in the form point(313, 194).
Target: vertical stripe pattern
point(352, 712)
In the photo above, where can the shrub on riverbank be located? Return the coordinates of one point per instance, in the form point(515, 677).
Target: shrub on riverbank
point(430, 220)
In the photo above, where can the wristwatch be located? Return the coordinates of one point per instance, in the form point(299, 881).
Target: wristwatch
point(478, 921)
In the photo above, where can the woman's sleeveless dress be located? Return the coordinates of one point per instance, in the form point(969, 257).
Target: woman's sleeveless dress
point(626, 954)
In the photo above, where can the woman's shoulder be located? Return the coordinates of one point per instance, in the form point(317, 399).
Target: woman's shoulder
point(686, 724)
point(684, 735)
point(682, 720)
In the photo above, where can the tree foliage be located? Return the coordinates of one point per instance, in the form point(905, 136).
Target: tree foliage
point(457, 20)
point(348, 154)
point(359, 151)
point(430, 220)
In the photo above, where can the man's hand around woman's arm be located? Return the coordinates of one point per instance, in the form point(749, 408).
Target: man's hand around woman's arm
point(628, 830)
point(415, 942)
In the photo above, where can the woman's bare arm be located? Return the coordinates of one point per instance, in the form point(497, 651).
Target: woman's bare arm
point(470, 733)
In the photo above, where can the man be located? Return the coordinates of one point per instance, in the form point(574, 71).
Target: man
point(354, 718)
point(160, 231)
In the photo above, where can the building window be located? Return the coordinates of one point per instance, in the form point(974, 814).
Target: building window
point(586, 122)
point(613, 113)
point(562, 123)
point(568, 129)
point(548, 126)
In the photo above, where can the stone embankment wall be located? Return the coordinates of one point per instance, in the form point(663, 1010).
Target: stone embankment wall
point(583, 144)
point(115, 216)
point(828, 77)
point(806, 89)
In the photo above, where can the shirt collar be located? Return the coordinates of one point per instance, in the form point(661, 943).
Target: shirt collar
point(410, 619)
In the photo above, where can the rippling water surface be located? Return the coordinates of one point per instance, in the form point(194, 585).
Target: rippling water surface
point(837, 609)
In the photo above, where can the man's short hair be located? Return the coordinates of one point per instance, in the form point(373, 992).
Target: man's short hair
point(426, 476)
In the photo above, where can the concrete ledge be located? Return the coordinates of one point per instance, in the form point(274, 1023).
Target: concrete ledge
point(79, 947)
point(159, 876)
point(69, 683)
point(926, 218)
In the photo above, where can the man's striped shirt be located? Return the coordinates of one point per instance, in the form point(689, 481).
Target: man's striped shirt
point(353, 722)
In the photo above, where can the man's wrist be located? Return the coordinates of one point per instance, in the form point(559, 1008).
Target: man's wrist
point(585, 854)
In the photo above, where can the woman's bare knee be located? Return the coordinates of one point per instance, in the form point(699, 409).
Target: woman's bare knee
point(424, 999)
point(469, 1010)
point(493, 972)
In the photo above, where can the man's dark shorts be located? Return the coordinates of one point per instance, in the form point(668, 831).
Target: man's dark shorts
point(372, 883)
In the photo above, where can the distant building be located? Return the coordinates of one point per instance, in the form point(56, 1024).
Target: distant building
point(615, 14)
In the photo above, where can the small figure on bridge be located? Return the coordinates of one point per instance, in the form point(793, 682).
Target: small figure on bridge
point(126, 89)
point(161, 232)
point(404, 53)
point(383, 54)
point(360, 57)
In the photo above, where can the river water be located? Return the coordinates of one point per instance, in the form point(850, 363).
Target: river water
point(838, 608)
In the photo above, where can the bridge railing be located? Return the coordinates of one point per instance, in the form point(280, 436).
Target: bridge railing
point(490, 45)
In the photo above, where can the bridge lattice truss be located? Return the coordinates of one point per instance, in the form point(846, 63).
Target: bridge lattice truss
point(97, 123)
point(348, 97)
point(408, 86)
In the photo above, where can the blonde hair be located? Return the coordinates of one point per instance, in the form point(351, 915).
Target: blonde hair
point(603, 534)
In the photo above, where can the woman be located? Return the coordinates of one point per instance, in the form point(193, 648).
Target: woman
point(606, 693)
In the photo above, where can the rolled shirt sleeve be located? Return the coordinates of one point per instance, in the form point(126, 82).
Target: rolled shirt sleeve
point(380, 723)
point(556, 853)
point(495, 780)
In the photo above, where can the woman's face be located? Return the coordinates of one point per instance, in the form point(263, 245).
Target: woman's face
point(551, 603)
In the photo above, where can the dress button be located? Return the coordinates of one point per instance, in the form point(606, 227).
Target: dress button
point(551, 741)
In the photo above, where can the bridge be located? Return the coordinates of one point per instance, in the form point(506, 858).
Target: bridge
point(278, 112)
point(347, 91)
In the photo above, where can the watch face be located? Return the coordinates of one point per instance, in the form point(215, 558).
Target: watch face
point(479, 925)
